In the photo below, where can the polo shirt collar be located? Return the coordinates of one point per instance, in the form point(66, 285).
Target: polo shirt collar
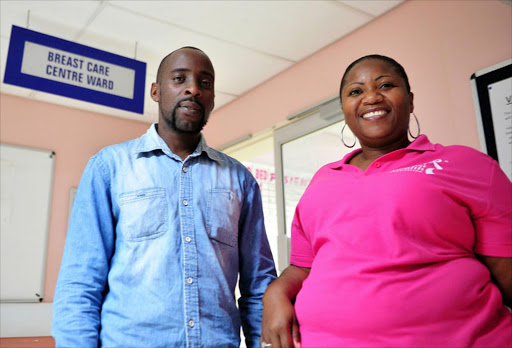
point(421, 143)
point(152, 141)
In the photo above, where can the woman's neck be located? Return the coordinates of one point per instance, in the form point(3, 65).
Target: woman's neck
point(370, 153)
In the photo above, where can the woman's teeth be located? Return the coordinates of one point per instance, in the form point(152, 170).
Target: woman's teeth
point(375, 113)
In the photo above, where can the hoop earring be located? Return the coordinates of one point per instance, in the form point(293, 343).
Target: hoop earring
point(418, 124)
point(343, 141)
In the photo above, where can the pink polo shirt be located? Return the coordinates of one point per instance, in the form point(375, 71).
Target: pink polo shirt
point(392, 251)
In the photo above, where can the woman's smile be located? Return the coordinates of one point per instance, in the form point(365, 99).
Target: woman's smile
point(374, 114)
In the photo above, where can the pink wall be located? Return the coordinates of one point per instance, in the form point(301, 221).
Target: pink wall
point(74, 135)
point(439, 43)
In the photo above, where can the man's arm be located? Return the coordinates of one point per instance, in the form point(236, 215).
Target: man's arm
point(85, 262)
point(257, 268)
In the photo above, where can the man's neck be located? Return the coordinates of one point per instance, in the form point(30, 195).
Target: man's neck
point(181, 144)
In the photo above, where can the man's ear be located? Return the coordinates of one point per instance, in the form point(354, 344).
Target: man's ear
point(155, 92)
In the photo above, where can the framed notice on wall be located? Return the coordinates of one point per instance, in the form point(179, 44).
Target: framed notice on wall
point(492, 97)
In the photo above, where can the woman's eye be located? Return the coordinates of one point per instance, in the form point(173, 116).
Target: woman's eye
point(354, 92)
point(386, 85)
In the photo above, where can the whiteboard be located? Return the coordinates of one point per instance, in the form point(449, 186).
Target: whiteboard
point(492, 97)
point(26, 183)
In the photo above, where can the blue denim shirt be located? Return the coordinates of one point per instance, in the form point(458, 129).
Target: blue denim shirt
point(155, 247)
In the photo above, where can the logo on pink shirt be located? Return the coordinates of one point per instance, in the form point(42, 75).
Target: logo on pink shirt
point(427, 168)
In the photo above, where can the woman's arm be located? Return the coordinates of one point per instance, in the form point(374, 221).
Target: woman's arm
point(501, 272)
point(279, 324)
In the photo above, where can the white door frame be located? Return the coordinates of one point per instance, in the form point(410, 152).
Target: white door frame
point(314, 118)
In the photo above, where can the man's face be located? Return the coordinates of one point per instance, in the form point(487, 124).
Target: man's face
point(185, 91)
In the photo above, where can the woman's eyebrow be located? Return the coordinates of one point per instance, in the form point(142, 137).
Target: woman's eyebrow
point(381, 76)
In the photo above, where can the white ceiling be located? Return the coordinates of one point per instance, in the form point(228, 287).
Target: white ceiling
point(248, 41)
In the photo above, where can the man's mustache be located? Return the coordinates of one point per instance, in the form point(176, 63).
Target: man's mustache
point(194, 100)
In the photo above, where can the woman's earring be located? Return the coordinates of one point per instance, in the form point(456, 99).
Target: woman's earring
point(418, 124)
point(343, 141)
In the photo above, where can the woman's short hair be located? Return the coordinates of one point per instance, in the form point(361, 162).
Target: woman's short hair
point(398, 68)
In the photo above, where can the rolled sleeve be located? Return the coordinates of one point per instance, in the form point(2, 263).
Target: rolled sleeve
point(301, 253)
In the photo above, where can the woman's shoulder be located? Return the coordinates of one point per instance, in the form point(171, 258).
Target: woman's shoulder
point(465, 152)
point(465, 160)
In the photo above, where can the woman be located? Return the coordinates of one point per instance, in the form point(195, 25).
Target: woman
point(399, 244)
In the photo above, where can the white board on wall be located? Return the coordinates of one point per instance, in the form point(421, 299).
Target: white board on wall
point(26, 184)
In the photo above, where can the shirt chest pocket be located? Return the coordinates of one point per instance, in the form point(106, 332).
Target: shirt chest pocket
point(143, 214)
point(223, 215)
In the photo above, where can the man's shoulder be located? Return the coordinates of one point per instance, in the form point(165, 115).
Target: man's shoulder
point(234, 166)
point(227, 160)
point(125, 148)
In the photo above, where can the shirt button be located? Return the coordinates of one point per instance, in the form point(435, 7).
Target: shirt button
point(188, 239)
point(184, 169)
point(377, 165)
point(189, 280)
point(191, 323)
point(185, 202)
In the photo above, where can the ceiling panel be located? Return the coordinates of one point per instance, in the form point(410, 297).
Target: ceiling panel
point(281, 28)
point(54, 17)
point(373, 7)
point(248, 42)
point(238, 68)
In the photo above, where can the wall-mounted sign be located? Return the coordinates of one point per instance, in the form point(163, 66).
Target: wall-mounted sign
point(49, 64)
point(492, 97)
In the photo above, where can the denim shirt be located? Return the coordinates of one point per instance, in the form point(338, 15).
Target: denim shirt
point(155, 247)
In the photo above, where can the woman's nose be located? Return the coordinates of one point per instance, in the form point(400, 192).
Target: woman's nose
point(372, 97)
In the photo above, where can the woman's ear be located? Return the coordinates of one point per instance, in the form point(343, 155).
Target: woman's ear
point(411, 99)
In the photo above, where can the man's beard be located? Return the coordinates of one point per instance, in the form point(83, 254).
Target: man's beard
point(183, 126)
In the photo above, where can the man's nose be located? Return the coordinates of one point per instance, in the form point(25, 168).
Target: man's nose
point(193, 89)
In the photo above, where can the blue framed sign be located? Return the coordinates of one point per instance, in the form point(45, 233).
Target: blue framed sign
point(49, 64)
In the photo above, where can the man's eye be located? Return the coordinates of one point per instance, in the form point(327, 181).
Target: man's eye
point(207, 83)
point(178, 79)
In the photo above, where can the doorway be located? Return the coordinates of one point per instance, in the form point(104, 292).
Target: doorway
point(300, 149)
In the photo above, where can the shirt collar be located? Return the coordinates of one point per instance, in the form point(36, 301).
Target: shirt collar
point(421, 143)
point(152, 141)
point(203, 147)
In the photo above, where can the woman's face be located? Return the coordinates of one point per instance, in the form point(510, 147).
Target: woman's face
point(376, 103)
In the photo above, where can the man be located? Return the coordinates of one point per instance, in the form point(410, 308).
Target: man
point(162, 226)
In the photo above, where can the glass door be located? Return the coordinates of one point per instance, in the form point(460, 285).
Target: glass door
point(300, 149)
